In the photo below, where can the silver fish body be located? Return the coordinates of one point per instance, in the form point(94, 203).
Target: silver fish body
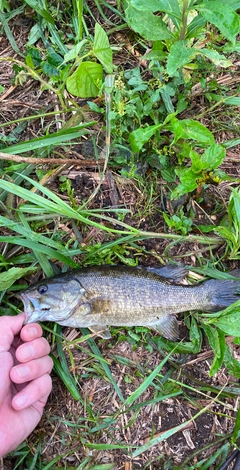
point(103, 296)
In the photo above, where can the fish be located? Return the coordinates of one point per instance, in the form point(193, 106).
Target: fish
point(98, 297)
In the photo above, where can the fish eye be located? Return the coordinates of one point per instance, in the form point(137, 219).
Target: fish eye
point(42, 289)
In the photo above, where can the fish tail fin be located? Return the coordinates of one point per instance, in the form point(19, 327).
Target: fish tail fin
point(221, 293)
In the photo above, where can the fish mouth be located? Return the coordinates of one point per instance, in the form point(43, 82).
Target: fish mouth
point(30, 309)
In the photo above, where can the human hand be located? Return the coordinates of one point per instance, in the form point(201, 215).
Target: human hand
point(25, 382)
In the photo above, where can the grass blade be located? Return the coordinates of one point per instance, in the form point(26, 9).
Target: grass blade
point(56, 138)
point(53, 254)
point(102, 361)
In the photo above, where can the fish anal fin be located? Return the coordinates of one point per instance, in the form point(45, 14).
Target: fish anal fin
point(101, 330)
point(167, 326)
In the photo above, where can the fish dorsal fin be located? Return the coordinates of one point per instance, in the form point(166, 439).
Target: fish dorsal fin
point(171, 272)
point(167, 327)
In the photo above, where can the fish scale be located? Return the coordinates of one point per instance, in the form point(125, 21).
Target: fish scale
point(102, 296)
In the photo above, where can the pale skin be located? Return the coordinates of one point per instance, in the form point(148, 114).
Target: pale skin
point(25, 381)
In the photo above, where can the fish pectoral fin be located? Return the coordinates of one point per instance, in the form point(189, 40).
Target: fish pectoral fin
point(167, 326)
point(101, 330)
point(171, 272)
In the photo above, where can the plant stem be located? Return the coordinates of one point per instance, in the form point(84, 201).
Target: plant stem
point(183, 28)
point(80, 18)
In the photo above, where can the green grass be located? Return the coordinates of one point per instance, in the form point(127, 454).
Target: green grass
point(156, 95)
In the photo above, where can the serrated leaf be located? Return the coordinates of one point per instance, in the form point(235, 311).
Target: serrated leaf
point(146, 24)
point(142, 135)
point(86, 80)
point(8, 278)
point(222, 16)
point(102, 49)
point(194, 130)
point(190, 129)
point(197, 163)
point(178, 56)
point(187, 178)
point(213, 156)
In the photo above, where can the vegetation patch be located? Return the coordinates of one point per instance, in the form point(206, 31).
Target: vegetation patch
point(119, 144)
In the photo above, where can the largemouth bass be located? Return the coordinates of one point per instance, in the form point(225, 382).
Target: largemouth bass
point(102, 296)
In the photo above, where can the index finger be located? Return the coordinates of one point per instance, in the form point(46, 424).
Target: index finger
point(9, 327)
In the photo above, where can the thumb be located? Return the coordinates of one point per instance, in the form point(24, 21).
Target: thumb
point(9, 327)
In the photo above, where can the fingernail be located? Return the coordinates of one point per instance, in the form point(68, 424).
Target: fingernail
point(32, 332)
point(27, 352)
point(23, 371)
point(21, 400)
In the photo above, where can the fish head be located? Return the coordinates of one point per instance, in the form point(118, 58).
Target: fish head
point(51, 299)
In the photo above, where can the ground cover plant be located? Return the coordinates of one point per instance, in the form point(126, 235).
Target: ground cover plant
point(119, 143)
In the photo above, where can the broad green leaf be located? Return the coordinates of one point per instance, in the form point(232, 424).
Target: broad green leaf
point(197, 164)
point(232, 47)
point(217, 342)
point(218, 59)
point(195, 335)
point(7, 278)
point(225, 233)
point(194, 130)
point(146, 24)
point(167, 6)
point(142, 135)
point(229, 323)
point(178, 56)
point(222, 16)
point(166, 99)
point(234, 205)
point(85, 82)
point(232, 365)
point(234, 4)
point(187, 178)
point(195, 26)
point(73, 53)
point(190, 129)
point(102, 49)
point(213, 156)
point(34, 35)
